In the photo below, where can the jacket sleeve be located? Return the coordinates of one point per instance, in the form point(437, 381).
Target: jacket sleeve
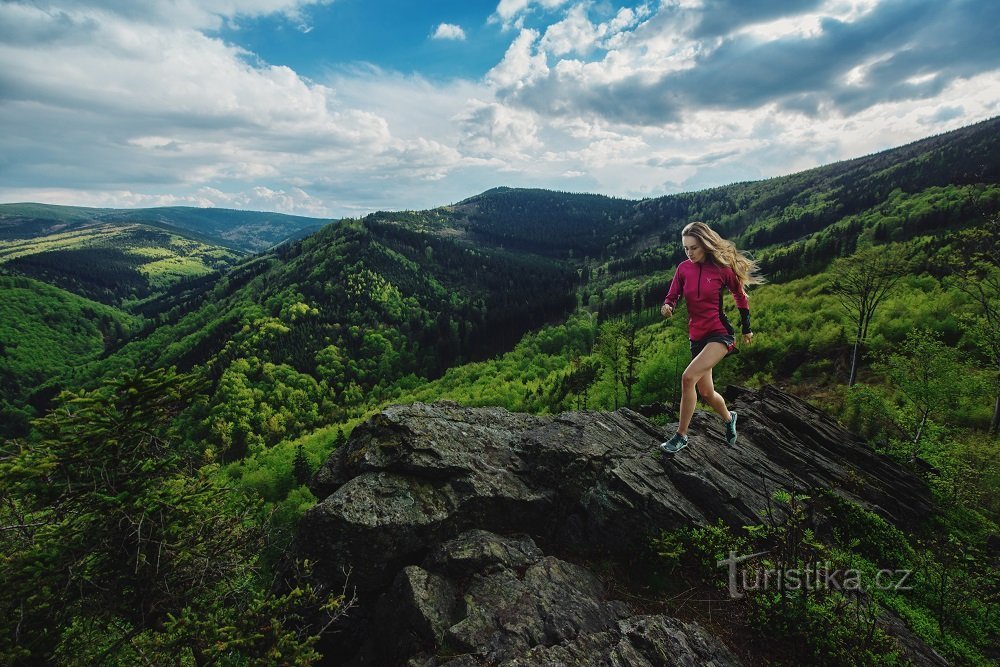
point(676, 290)
point(740, 297)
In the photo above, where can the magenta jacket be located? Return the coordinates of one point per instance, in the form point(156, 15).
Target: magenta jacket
point(702, 286)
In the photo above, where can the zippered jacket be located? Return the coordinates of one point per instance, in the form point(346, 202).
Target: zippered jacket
point(701, 285)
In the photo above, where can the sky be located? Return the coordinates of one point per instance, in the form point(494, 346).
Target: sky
point(337, 108)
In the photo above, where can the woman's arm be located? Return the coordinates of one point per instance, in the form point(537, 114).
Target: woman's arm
point(742, 303)
point(675, 292)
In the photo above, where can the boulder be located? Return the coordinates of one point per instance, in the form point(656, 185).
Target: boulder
point(482, 598)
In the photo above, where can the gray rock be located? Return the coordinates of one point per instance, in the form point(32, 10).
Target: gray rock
point(638, 641)
point(413, 617)
point(411, 480)
point(502, 602)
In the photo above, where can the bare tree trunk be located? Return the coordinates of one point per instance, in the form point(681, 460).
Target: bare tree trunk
point(854, 361)
point(854, 364)
point(914, 450)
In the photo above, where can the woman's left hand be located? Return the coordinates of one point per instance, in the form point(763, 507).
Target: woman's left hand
point(748, 338)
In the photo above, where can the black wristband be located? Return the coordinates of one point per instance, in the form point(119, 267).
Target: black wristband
point(745, 320)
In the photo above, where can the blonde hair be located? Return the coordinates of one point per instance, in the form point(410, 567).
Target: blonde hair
point(724, 253)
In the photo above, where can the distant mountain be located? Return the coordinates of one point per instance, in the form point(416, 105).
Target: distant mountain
point(543, 221)
point(248, 231)
point(111, 262)
point(116, 256)
point(927, 186)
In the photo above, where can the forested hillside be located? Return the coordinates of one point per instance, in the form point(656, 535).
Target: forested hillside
point(148, 265)
point(795, 224)
point(321, 327)
point(43, 332)
point(73, 290)
point(114, 264)
point(531, 300)
point(347, 314)
point(541, 221)
point(249, 231)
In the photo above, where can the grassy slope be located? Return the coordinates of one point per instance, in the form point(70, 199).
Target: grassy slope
point(45, 332)
point(74, 259)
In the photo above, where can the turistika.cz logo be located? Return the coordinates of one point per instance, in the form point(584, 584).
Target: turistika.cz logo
point(810, 577)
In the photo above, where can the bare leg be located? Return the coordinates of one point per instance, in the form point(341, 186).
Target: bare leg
point(706, 389)
point(696, 370)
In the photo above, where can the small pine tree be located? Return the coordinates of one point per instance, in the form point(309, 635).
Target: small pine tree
point(301, 467)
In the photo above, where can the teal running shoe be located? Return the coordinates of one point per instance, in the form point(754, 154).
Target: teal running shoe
point(731, 429)
point(675, 444)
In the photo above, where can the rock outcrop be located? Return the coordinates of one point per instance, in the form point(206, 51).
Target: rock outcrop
point(482, 597)
point(456, 523)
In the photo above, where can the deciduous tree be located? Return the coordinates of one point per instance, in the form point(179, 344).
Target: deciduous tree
point(862, 282)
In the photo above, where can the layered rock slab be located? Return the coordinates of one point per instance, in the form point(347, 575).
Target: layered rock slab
point(582, 484)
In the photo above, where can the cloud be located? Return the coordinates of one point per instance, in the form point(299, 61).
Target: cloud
point(491, 130)
point(511, 13)
point(897, 51)
point(574, 34)
point(449, 31)
point(521, 66)
point(692, 160)
point(165, 108)
point(942, 115)
point(722, 17)
point(194, 14)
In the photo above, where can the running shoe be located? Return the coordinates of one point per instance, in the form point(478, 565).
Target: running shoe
point(675, 444)
point(731, 429)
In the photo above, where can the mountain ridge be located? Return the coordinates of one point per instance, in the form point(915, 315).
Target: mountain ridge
point(569, 224)
point(256, 230)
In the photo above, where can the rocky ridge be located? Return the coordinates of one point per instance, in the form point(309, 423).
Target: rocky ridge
point(458, 525)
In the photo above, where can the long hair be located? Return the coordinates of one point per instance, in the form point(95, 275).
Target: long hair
point(724, 253)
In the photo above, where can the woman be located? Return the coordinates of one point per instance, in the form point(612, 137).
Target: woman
point(712, 264)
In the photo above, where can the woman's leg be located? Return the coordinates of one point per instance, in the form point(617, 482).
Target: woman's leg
point(696, 370)
point(706, 389)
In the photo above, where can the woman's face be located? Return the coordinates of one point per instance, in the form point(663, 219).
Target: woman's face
point(693, 249)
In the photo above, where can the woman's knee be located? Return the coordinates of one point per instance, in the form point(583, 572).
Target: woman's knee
point(690, 379)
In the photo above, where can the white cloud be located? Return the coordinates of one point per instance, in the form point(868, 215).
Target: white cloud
point(449, 31)
point(491, 130)
point(511, 13)
point(508, 9)
point(574, 34)
point(194, 14)
point(165, 106)
point(521, 66)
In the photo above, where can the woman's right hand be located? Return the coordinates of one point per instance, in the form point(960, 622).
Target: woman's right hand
point(666, 311)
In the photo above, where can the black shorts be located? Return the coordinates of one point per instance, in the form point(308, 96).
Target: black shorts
point(729, 341)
